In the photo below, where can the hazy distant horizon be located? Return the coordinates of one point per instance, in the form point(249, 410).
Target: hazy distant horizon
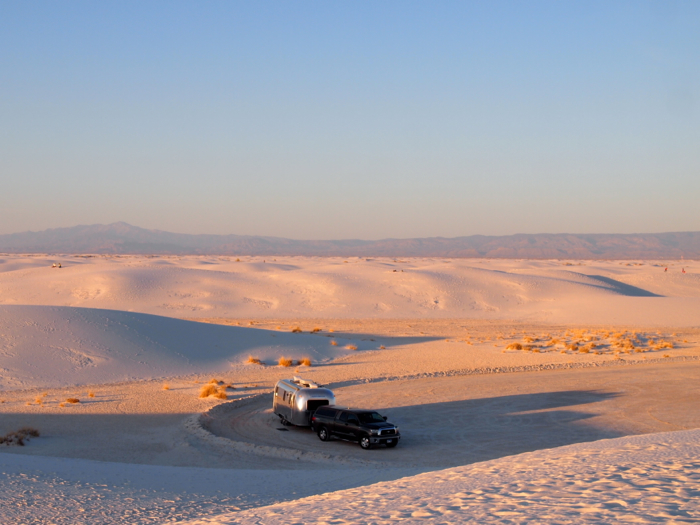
point(244, 234)
point(123, 238)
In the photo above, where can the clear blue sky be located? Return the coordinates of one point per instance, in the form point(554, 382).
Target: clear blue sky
point(366, 120)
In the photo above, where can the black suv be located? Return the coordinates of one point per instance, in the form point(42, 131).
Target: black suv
point(364, 426)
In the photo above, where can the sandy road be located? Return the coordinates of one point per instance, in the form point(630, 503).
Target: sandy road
point(460, 420)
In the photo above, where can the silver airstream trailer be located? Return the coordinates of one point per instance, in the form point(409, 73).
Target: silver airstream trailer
point(295, 400)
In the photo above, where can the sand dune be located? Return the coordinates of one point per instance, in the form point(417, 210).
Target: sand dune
point(297, 287)
point(44, 346)
point(607, 349)
point(641, 479)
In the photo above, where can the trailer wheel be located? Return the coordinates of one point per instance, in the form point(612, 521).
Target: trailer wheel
point(323, 434)
point(364, 443)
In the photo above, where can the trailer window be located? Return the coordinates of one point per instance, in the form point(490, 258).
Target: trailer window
point(313, 404)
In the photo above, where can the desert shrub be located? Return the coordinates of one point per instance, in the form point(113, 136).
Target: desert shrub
point(334, 343)
point(285, 361)
point(207, 390)
point(351, 347)
point(514, 346)
point(529, 339)
point(296, 330)
point(315, 330)
point(91, 394)
point(18, 437)
point(664, 344)
point(166, 386)
point(584, 350)
point(220, 394)
point(305, 361)
point(382, 347)
point(73, 400)
point(254, 360)
point(215, 381)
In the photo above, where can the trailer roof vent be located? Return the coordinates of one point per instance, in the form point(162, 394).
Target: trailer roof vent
point(304, 382)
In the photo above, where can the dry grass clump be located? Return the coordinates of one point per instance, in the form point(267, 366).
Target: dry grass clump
point(514, 346)
point(61, 405)
point(382, 347)
point(166, 386)
point(207, 390)
point(216, 382)
point(253, 360)
point(39, 400)
point(351, 347)
point(529, 339)
point(316, 330)
point(73, 400)
point(18, 437)
point(663, 344)
point(334, 343)
point(296, 330)
point(285, 361)
point(211, 389)
point(305, 361)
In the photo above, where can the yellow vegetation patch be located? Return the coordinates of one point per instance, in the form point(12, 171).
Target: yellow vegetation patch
point(207, 390)
point(285, 361)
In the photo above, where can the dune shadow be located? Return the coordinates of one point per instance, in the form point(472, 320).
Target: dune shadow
point(623, 289)
point(461, 432)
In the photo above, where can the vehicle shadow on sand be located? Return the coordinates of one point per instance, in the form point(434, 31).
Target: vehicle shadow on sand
point(441, 435)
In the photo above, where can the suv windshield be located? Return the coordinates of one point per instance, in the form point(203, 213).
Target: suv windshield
point(370, 417)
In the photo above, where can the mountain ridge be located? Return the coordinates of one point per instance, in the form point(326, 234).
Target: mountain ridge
point(121, 238)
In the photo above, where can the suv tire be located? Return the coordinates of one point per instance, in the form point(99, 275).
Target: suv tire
point(364, 443)
point(323, 434)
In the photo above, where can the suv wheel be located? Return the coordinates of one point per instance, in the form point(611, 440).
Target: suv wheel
point(323, 434)
point(364, 443)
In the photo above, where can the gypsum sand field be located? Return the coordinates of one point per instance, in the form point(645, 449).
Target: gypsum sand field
point(152, 428)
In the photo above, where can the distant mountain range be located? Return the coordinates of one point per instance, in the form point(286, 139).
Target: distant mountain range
point(122, 238)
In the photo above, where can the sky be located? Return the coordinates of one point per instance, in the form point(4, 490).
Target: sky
point(334, 120)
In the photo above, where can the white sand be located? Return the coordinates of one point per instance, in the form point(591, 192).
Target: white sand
point(295, 287)
point(431, 353)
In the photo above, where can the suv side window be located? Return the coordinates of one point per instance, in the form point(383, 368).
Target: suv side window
point(325, 412)
point(352, 419)
point(344, 416)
